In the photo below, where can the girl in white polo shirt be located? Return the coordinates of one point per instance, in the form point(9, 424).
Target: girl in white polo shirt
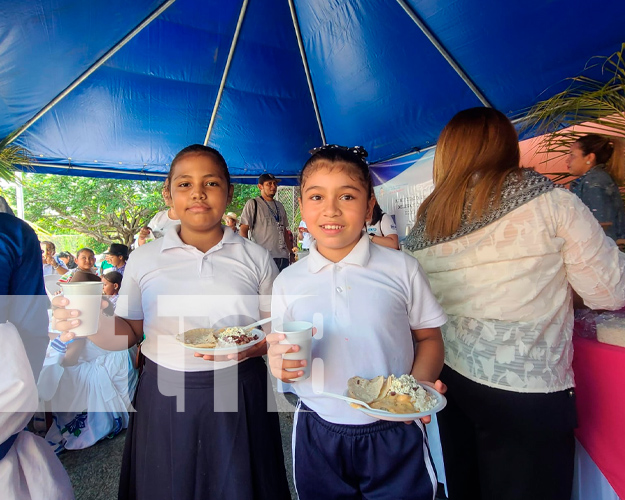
point(370, 299)
point(202, 428)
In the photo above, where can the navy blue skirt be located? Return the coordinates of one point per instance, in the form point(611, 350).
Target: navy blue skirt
point(200, 453)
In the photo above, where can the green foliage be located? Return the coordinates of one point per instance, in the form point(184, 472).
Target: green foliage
point(242, 193)
point(105, 210)
point(11, 155)
point(586, 100)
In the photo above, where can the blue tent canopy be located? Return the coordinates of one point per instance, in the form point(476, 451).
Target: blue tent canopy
point(115, 88)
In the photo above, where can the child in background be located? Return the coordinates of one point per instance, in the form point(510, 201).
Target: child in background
point(85, 261)
point(220, 279)
point(87, 389)
point(112, 282)
point(382, 229)
point(371, 299)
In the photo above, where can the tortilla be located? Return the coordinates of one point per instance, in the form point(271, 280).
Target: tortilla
point(364, 389)
point(385, 388)
point(202, 338)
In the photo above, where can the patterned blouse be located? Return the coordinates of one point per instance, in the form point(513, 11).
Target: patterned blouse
point(505, 289)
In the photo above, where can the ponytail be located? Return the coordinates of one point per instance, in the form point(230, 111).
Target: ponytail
point(616, 164)
point(608, 151)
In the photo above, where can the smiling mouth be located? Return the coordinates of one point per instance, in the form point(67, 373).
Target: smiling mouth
point(331, 227)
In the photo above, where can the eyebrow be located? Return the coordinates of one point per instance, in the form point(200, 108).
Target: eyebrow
point(204, 176)
point(347, 186)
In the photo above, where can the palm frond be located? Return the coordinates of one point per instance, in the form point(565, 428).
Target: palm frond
point(599, 105)
point(11, 155)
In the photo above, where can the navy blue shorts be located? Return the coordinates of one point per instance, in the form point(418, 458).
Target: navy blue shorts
point(382, 460)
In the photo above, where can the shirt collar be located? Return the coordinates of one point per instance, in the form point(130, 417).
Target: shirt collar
point(171, 238)
point(359, 256)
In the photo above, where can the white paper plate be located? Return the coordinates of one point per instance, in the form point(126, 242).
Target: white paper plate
point(404, 417)
point(220, 351)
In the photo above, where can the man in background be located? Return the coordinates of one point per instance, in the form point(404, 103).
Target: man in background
point(266, 219)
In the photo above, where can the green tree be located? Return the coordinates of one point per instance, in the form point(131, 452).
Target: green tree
point(107, 210)
point(242, 193)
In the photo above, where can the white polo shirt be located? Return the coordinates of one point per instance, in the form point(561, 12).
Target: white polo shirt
point(174, 287)
point(385, 226)
point(364, 307)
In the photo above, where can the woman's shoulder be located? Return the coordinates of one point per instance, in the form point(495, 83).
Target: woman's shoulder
point(598, 177)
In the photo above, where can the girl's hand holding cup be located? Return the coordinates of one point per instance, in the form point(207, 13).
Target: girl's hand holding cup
point(67, 320)
point(290, 351)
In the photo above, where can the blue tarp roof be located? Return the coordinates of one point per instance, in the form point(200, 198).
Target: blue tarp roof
point(376, 74)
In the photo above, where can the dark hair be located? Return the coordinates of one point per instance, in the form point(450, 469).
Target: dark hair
point(114, 277)
point(197, 149)
point(49, 246)
point(84, 250)
point(377, 214)
point(608, 151)
point(356, 157)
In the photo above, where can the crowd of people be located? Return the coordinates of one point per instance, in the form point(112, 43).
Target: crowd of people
point(479, 304)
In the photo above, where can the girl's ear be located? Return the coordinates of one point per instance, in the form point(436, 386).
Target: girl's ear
point(301, 210)
point(370, 205)
point(116, 286)
point(230, 193)
point(592, 158)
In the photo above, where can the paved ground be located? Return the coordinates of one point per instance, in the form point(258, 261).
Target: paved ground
point(95, 471)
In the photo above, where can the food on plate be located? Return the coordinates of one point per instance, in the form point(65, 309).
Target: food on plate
point(364, 389)
point(394, 394)
point(211, 338)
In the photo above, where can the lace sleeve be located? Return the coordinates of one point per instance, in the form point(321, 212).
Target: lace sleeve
point(594, 265)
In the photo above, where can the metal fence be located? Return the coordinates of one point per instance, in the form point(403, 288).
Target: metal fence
point(289, 196)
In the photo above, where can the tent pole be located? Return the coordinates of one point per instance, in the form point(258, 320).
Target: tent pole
point(224, 76)
point(443, 51)
point(92, 68)
point(302, 52)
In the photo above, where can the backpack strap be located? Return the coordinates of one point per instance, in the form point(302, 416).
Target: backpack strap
point(255, 212)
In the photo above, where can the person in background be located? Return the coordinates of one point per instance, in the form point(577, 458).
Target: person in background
point(600, 163)
point(382, 229)
point(112, 281)
point(231, 221)
point(87, 389)
point(85, 261)
point(68, 259)
point(266, 218)
point(117, 255)
point(162, 221)
point(28, 467)
point(51, 263)
point(304, 236)
point(504, 249)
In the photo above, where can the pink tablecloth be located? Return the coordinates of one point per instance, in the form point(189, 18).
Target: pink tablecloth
point(600, 388)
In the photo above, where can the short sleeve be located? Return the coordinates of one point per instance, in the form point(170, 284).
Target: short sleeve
point(424, 311)
point(279, 304)
point(594, 265)
point(132, 307)
point(387, 225)
point(269, 272)
point(248, 213)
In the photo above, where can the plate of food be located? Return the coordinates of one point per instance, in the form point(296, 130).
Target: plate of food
point(220, 341)
point(396, 399)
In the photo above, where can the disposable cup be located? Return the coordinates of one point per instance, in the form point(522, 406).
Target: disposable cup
point(298, 333)
point(86, 297)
